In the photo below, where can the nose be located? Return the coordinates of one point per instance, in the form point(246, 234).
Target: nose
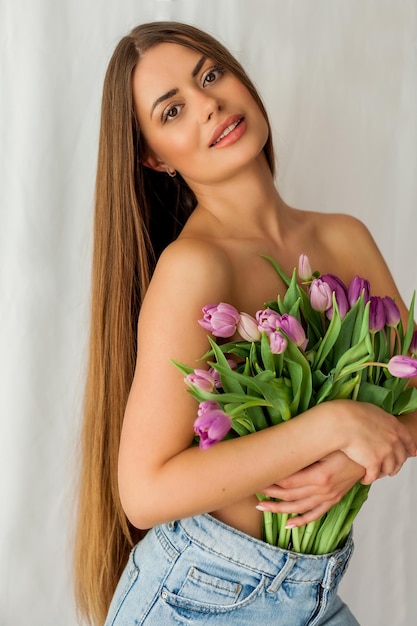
point(207, 106)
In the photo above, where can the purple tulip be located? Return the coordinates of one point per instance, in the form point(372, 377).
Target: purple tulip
point(358, 286)
point(248, 328)
point(277, 342)
point(320, 295)
point(413, 344)
point(293, 329)
point(202, 379)
point(216, 375)
point(220, 319)
point(377, 316)
point(304, 267)
point(267, 320)
point(211, 425)
point(339, 288)
point(402, 366)
point(392, 312)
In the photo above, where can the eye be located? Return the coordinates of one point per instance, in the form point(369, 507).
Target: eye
point(212, 75)
point(171, 112)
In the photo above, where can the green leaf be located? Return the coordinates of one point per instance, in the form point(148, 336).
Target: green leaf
point(266, 354)
point(407, 402)
point(410, 327)
point(292, 294)
point(228, 380)
point(380, 396)
point(239, 348)
point(300, 374)
point(223, 398)
point(345, 339)
point(285, 279)
point(343, 390)
point(184, 369)
point(329, 338)
point(242, 426)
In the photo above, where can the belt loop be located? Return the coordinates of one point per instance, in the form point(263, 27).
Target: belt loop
point(276, 583)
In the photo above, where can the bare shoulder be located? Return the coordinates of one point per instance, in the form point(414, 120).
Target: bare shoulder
point(347, 238)
point(190, 274)
point(351, 244)
point(193, 265)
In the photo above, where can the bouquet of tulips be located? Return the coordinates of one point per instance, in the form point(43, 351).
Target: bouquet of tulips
point(321, 341)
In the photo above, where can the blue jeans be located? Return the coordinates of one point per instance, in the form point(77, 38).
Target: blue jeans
point(201, 571)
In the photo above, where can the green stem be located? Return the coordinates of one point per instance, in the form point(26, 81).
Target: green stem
point(309, 536)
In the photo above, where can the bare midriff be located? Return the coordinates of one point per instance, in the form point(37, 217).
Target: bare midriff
point(243, 516)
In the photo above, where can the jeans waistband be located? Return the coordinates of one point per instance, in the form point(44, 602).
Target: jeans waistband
point(233, 545)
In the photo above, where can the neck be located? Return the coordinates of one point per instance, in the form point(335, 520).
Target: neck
point(248, 204)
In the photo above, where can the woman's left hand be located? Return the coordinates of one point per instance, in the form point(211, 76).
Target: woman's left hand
point(312, 491)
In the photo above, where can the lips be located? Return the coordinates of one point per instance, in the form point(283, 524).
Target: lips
point(222, 130)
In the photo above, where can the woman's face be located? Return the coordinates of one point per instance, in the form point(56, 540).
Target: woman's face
point(196, 117)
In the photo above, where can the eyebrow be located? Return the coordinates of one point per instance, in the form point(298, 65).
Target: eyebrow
point(172, 92)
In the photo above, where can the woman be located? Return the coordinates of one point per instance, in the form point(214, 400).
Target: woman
point(185, 206)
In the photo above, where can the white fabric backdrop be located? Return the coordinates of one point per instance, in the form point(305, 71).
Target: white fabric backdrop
point(339, 78)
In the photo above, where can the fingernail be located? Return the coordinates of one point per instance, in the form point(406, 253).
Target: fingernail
point(261, 507)
point(290, 525)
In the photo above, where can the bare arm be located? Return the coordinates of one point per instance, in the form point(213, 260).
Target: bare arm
point(161, 476)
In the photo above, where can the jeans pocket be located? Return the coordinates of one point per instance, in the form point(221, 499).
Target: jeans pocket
point(203, 592)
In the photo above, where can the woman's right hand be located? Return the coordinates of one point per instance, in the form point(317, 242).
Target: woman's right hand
point(375, 439)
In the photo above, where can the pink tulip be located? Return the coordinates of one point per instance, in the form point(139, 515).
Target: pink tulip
point(320, 295)
point(211, 425)
point(202, 379)
point(277, 342)
point(402, 366)
point(304, 267)
point(220, 319)
point(267, 320)
point(248, 328)
point(216, 375)
point(293, 329)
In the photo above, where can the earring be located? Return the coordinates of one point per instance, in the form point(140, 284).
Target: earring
point(171, 173)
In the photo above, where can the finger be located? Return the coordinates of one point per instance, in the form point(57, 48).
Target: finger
point(309, 516)
point(274, 491)
point(298, 506)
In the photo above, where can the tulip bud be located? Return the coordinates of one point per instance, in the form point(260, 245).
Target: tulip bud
point(202, 379)
point(293, 329)
point(211, 425)
point(277, 342)
point(377, 317)
point(392, 312)
point(220, 319)
point(358, 286)
point(248, 328)
point(402, 366)
point(320, 295)
point(267, 320)
point(304, 267)
point(413, 345)
point(340, 291)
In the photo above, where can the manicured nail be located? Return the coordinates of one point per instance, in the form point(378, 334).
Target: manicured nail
point(290, 525)
point(261, 507)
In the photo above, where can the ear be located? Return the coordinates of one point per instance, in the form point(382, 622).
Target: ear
point(152, 161)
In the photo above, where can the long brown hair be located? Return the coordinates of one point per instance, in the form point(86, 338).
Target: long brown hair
point(137, 213)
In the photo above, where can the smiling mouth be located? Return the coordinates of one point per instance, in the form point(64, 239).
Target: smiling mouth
point(227, 131)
